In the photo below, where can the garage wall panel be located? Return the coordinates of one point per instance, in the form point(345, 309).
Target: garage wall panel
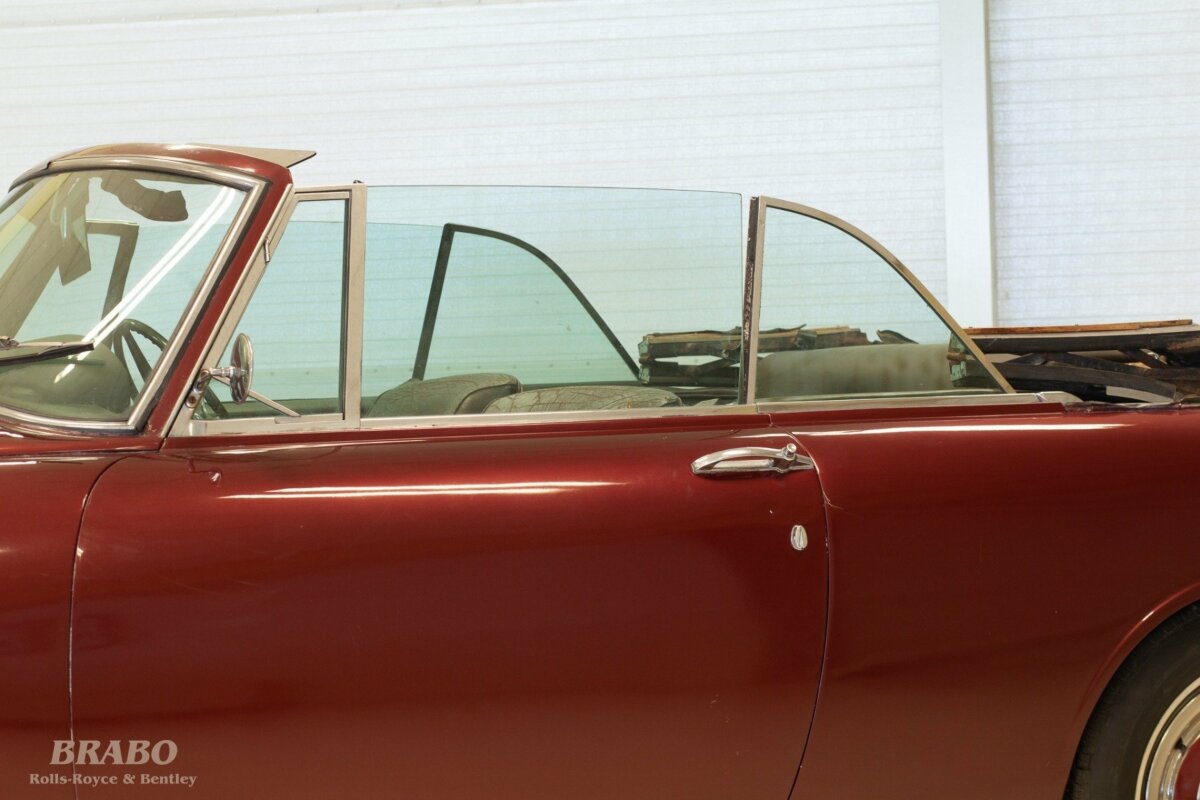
point(1096, 148)
point(90, 12)
point(834, 104)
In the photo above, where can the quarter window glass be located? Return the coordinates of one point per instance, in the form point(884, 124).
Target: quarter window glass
point(490, 300)
point(295, 319)
point(837, 320)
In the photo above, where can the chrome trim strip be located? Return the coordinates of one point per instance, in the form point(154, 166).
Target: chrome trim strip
point(886, 255)
point(918, 401)
point(266, 401)
point(234, 306)
point(404, 425)
point(253, 186)
point(548, 417)
point(305, 423)
point(185, 424)
point(352, 317)
point(524, 418)
point(71, 162)
point(752, 301)
point(326, 193)
point(300, 419)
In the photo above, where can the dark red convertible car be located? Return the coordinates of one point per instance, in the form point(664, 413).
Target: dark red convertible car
point(447, 492)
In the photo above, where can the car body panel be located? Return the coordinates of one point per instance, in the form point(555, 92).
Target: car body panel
point(509, 614)
point(43, 497)
point(990, 572)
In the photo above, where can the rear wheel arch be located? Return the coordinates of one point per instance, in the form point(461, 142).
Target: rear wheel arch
point(1160, 659)
point(1150, 622)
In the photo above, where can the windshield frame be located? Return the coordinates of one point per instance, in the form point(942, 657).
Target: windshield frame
point(254, 188)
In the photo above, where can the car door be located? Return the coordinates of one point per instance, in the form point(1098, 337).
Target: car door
point(955, 630)
point(309, 599)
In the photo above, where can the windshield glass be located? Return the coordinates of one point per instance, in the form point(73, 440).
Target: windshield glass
point(96, 270)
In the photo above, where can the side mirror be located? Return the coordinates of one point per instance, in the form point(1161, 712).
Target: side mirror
point(241, 368)
point(238, 375)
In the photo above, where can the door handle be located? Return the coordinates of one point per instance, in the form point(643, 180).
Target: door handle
point(752, 459)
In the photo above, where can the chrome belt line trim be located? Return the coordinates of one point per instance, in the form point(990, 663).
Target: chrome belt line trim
point(417, 424)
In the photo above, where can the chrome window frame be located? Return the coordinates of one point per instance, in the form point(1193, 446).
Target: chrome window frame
point(254, 187)
point(353, 264)
point(852, 403)
point(754, 272)
point(184, 426)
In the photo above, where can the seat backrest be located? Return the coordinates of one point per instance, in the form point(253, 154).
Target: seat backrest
point(454, 394)
point(862, 369)
point(583, 398)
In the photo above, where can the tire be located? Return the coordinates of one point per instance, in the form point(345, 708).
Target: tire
point(1143, 740)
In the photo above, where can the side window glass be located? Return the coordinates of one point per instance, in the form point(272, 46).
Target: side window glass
point(498, 305)
point(295, 321)
point(837, 320)
point(488, 300)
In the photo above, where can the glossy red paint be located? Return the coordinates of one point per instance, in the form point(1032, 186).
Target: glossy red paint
point(564, 614)
point(1187, 782)
point(43, 497)
point(987, 573)
point(45, 482)
point(970, 615)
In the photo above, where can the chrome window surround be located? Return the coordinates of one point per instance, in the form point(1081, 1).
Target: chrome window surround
point(753, 300)
point(185, 426)
point(254, 187)
point(353, 261)
point(550, 417)
point(328, 422)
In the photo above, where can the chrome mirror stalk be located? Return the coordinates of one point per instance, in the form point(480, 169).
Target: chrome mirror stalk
point(238, 375)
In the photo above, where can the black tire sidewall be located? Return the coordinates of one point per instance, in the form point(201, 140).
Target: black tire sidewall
point(1125, 719)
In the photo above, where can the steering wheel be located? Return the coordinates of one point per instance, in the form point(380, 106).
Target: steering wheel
point(124, 338)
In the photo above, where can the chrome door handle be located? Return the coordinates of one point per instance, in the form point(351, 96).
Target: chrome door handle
point(751, 459)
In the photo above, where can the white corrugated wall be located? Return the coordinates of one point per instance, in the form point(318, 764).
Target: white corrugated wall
point(1096, 116)
point(835, 104)
point(1096, 158)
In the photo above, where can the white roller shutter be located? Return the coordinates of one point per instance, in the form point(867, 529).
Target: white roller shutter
point(1096, 147)
point(830, 103)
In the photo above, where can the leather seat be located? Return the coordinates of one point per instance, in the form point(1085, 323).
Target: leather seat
point(455, 394)
point(861, 369)
point(583, 398)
